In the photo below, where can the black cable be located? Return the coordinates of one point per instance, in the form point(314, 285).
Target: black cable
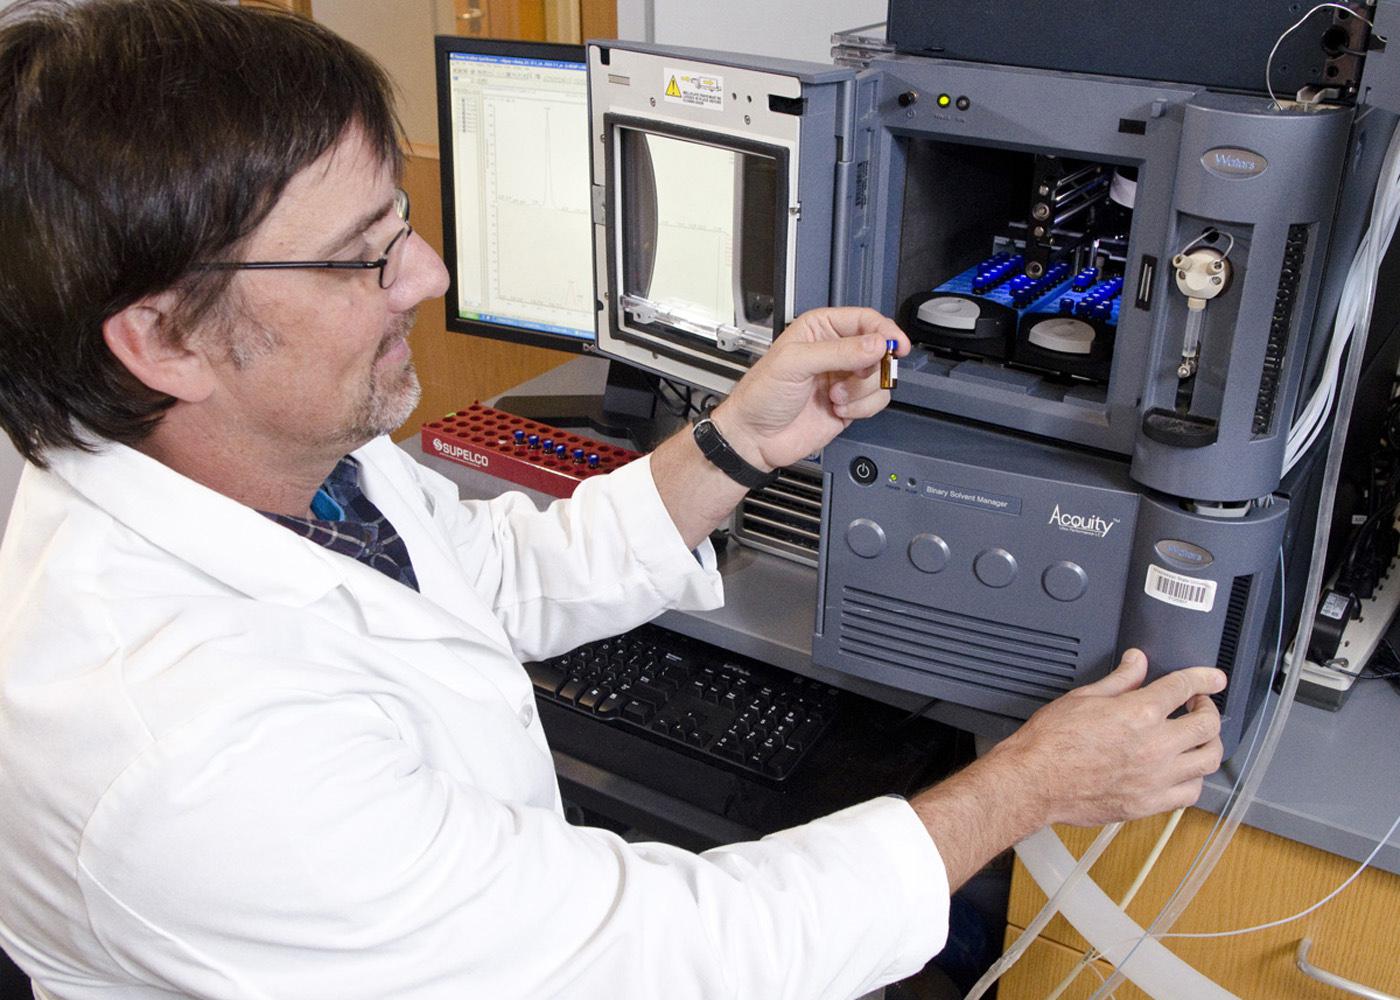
point(1384, 488)
point(682, 405)
point(917, 713)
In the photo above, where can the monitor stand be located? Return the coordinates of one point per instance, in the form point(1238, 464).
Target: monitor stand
point(626, 409)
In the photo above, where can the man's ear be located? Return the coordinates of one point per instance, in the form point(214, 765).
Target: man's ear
point(140, 337)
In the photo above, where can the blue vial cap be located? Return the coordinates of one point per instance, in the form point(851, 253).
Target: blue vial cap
point(593, 459)
point(578, 455)
point(519, 436)
point(534, 440)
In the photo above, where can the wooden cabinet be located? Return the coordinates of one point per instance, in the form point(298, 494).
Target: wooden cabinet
point(1261, 878)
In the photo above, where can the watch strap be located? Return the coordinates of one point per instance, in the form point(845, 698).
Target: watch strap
point(722, 456)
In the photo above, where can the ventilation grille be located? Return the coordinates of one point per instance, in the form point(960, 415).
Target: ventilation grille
point(1230, 636)
point(1294, 252)
point(990, 654)
point(786, 517)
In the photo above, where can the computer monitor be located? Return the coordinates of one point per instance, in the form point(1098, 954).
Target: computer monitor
point(517, 220)
point(517, 216)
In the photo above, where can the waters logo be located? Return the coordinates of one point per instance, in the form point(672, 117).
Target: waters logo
point(1082, 524)
point(1234, 162)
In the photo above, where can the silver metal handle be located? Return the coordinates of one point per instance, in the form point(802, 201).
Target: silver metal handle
point(1332, 979)
point(471, 15)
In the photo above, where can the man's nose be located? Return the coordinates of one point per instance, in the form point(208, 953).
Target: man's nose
point(421, 276)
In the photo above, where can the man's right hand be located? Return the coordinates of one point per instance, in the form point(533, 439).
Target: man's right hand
point(1104, 752)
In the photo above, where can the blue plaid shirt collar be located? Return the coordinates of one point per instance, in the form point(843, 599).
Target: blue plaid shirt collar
point(344, 520)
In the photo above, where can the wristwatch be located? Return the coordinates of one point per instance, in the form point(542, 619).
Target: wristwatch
point(723, 457)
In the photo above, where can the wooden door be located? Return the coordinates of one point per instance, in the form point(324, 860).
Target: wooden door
point(302, 7)
point(569, 21)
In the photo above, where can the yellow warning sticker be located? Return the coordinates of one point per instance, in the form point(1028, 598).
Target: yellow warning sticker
point(697, 89)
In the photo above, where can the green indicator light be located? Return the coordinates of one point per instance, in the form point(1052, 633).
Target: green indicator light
point(944, 100)
point(894, 477)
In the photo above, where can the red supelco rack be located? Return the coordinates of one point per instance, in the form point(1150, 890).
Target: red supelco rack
point(484, 438)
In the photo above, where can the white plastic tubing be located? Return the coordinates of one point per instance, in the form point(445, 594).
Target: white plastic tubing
point(1353, 310)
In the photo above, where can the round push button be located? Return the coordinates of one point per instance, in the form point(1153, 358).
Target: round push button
point(995, 567)
point(1065, 581)
point(865, 537)
point(863, 470)
point(928, 553)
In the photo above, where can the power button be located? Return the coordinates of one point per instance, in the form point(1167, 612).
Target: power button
point(863, 470)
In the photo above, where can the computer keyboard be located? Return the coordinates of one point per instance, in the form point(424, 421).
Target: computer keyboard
point(684, 693)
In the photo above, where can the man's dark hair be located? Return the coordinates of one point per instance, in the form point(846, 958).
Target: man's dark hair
point(139, 138)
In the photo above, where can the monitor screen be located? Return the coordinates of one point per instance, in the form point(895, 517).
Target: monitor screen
point(517, 224)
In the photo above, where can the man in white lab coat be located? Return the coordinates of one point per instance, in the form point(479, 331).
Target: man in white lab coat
point(264, 730)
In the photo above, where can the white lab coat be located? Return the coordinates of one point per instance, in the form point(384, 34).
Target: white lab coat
point(235, 764)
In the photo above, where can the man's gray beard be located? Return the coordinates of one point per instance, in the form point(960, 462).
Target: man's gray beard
point(385, 407)
point(390, 397)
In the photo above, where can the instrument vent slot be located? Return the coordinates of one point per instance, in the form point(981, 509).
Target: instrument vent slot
point(1230, 637)
point(1271, 378)
point(948, 644)
point(784, 518)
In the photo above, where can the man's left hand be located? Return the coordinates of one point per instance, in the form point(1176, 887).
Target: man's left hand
point(820, 374)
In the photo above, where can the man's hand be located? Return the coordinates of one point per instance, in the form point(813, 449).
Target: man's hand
point(1104, 752)
point(1109, 751)
point(819, 376)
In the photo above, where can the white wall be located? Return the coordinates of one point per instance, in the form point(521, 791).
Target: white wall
point(634, 20)
point(400, 35)
point(790, 29)
point(10, 466)
point(10, 462)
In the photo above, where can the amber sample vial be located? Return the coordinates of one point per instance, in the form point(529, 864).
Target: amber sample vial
point(889, 366)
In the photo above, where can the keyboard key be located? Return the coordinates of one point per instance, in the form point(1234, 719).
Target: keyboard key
point(610, 706)
point(593, 697)
point(572, 689)
point(781, 762)
point(637, 711)
point(803, 735)
point(651, 693)
point(546, 676)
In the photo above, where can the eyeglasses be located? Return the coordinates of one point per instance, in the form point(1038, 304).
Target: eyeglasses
point(388, 264)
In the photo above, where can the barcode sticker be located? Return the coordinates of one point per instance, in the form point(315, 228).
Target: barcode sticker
point(1182, 591)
